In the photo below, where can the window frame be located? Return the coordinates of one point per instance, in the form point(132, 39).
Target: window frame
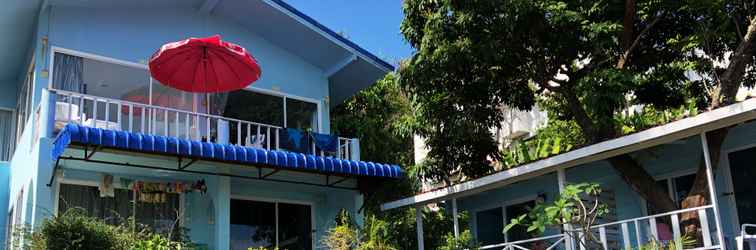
point(284, 96)
point(276, 201)
point(90, 183)
point(56, 49)
point(503, 207)
point(670, 187)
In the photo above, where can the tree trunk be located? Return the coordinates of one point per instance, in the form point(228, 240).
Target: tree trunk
point(699, 193)
point(725, 94)
point(642, 182)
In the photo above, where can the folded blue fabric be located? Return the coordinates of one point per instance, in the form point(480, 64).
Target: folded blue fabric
point(295, 141)
point(326, 142)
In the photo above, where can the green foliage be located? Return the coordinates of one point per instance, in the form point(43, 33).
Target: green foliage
point(536, 148)
point(346, 235)
point(73, 229)
point(572, 57)
point(577, 205)
point(465, 241)
point(685, 242)
point(380, 117)
point(648, 117)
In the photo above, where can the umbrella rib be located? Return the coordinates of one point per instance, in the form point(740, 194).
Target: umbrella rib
point(226, 62)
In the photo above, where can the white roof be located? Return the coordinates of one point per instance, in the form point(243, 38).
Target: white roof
point(711, 120)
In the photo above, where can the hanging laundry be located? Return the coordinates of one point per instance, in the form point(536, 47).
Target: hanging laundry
point(295, 140)
point(106, 186)
point(328, 143)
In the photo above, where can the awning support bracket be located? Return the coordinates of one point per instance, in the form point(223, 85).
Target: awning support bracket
point(88, 155)
point(182, 167)
point(337, 182)
point(54, 172)
point(269, 174)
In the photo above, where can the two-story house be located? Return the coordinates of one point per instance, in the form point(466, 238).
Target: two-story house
point(83, 124)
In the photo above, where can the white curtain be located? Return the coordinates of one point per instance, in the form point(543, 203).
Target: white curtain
point(68, 73)
point(6, 135)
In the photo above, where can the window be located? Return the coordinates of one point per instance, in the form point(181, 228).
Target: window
point(274, 110)
point(14, 222)
point(160, 217)
point(23, 105)
point(270, 224)
point(491, 222)
point(271, 109)
point(678, 188)
point(518, 232)
point(6, 134)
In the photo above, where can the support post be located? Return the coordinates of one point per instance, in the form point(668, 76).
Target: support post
point(562, 182)
point(419, 221)
point(46, 118)
point(712, 189)
point(455, 217)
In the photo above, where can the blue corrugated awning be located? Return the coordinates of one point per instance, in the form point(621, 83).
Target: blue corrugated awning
point(74, 133)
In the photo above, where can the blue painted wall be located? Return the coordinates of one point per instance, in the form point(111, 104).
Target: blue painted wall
point(206, 215)
point(135, 40)
point(4, 198)
point(8, 94)
point(661, 161)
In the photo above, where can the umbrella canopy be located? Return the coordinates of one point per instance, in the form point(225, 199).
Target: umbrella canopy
point(204, 65)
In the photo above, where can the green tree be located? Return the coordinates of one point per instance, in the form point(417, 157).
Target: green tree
point(582, 61)
point(381, 118)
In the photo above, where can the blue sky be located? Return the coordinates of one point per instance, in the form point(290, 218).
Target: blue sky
point(373, 24)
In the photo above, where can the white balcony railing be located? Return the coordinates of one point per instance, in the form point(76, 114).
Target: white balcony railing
point(120, 115)
point(631, 233)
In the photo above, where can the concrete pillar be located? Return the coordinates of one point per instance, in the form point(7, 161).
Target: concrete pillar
point(46, 119)
point(222, 212)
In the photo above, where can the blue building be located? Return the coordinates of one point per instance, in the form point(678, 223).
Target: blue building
point(670, 153)
point(82, 123)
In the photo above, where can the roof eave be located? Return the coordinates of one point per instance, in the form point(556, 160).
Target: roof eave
point(708, 121)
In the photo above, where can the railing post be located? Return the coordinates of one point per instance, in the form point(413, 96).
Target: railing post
point(222, 132)
point(712, 189)
point(419, 221)
point(354, 151)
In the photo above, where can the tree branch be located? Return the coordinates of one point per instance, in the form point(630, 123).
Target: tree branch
point(730, 80)
point(626, 54)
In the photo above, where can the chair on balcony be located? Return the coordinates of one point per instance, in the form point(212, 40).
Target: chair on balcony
point(746, 238)
point(67, 113)
point(255, 141)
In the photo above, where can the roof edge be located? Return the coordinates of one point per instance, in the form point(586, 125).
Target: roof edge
point(330, 34)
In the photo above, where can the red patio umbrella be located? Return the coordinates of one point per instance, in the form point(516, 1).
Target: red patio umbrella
point(204, 65)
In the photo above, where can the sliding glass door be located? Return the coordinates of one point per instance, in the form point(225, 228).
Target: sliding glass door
point(269, 224)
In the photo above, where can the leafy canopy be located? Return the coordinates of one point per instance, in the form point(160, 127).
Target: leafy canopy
point(584, 62)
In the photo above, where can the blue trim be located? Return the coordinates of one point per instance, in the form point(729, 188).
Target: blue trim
point(333, 34)
point(220, 152)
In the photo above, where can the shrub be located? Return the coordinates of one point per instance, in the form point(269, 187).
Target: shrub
point(74, 229)
point(465, 241)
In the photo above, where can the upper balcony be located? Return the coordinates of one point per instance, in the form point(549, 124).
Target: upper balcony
point(105, 93)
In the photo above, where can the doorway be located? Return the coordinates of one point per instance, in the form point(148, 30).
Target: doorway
point(743, 172)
